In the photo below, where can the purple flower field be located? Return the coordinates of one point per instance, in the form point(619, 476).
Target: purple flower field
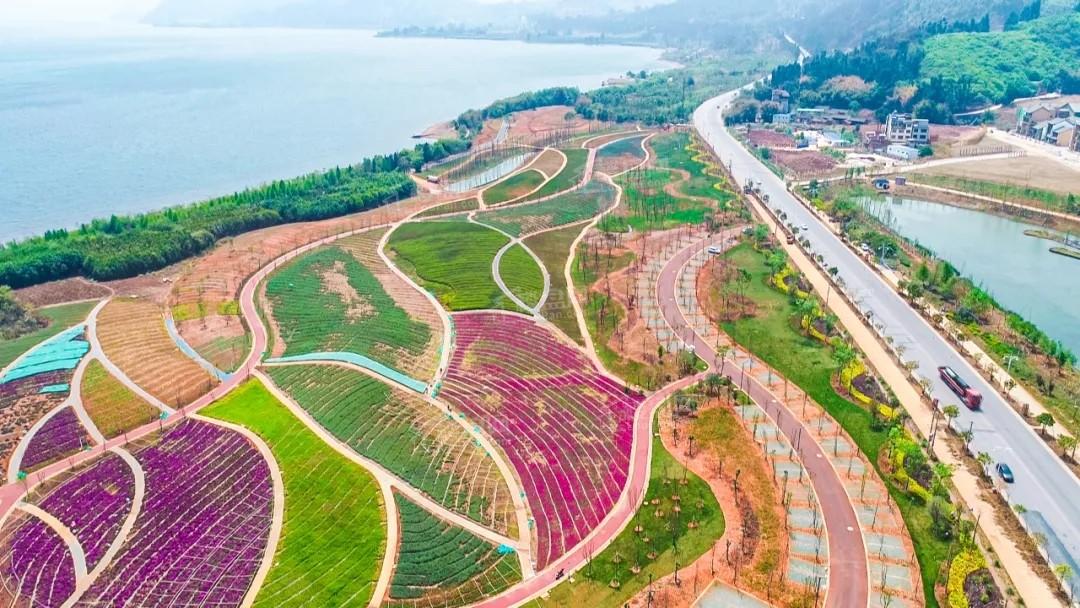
point(566, 429)
point(61, 435)
point(35, 563)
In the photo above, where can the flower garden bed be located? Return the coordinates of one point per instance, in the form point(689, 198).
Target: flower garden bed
point(411, 438)
point(112, 407)
point(60, 436)
point(36, 568)
point(133, 336)
point(566, 429)
point(334, 530)
point(443, 565)
point(562, 210)
point(452, 260)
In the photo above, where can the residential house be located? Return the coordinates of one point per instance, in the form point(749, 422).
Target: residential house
point(782, 99)
point(907, 130)
point(1050, 123)
point(902, 152)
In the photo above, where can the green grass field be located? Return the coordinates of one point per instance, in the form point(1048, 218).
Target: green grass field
point(60, 318)
point(412, 439)
point(631, 146)
point(515, 186)
point(442, 565)
point(328, 301)
point(465, 204)
point(569, 208)
point(771, 336)
point(522, 275)
point(453, 260)
point(672, 152)
point(649, 207)
point(334, 533)
point(553, 248)
point(570, 176)
point(668, 533)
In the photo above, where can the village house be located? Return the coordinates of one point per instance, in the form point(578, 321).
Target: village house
point(907, 130)
point(1055, 124)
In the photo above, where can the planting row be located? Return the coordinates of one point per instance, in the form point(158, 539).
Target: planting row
point(409, 437)
point(333, 537)
point(566, 428)
point(342, 299)
point(443, 565)
point(198, 536)
point(453, 261)
point(569, 208)
point(133, 336)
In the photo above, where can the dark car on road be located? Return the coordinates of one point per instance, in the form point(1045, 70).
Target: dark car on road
point(1005, 472)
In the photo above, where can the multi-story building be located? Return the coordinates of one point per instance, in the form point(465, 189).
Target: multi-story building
point(907, 130)
point(1055, 124)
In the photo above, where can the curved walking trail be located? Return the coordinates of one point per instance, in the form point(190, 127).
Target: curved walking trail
point(848, 584)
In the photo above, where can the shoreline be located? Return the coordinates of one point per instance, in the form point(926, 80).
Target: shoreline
point(916, 191)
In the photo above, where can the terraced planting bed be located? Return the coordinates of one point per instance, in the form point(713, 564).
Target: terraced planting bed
point(513, 187)
point(571, 175)
point(553, 249)
point(133, 335)
point(411, 438)
point(666, 537)
point(334, 530)
point(549, 162)
point(442, 565)
point(60, 436)
point(93, 503)
point(569, 208)
point(211, 283)
point(522, 275)
point(36, 567)
point(112, 407)
point(203, 526)
point(620, 155)
point(461, 206)
point(342, 298)
point(221, 339)
point(34, 387)
point(566, 429)
point(60, 318)
point(452, 260)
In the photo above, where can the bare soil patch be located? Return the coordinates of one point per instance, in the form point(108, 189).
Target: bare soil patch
point(770, 139)
point(59, 292)
point(336, 281)
point(805, 162)
point(548, 163)
point(1024, 171)
point(531, 124)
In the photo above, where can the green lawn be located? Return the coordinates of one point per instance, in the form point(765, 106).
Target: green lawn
point(334, 532)
point(328, 301)
point(672, 152)
point(444, 565)
point(522, 275)
point(569, 208)
point(570, 176)
point(513, 187)
point(553, 248)
point(648, 207)
point(771, 336)
point(630, 146)
point(60, 318)
point(453, 260)
point(668, 533)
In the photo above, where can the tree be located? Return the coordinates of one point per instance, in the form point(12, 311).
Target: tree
point(714, 385)
point(951, 412)
point(807, 309)
point(16, 318)
point(844, 355)
point(1063, 572)
point(985, 460)
point(1068, 445)
point(1045, 421)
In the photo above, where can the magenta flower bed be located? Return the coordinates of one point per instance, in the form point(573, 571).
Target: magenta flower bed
point(566, 428)
point(93, 504)
point(36, 564)
point(203, 527)
point(61, 435)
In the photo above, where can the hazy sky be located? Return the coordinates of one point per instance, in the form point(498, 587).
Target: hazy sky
point(74, 10)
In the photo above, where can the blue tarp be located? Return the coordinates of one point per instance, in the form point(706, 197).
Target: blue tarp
point(55, 388)
point(60, 352)
point(360, 361)
point(182, 344)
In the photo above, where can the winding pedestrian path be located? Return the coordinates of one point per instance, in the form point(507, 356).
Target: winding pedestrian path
point(848, 584)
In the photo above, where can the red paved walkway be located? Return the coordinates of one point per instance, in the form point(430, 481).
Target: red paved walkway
point(848, 585)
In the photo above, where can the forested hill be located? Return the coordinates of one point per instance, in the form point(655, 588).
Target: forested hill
point(945, 68)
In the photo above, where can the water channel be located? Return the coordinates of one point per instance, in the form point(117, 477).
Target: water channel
point(1019, 271)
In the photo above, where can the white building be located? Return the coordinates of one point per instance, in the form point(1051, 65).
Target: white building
point(905, 129)
point(902, 152)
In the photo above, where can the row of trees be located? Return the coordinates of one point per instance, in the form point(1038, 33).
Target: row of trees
point(125, 246)
point(16, 318)
point(470, 122)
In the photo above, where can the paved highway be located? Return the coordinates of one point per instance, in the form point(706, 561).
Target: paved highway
point(1046, 488)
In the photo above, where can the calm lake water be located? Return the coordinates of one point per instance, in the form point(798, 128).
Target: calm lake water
point(1018, 270)
point(133, 119)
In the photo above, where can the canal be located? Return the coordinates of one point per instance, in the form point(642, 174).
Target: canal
point(1019, 271)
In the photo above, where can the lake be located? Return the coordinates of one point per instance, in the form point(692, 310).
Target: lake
point(1018, 270)
point(122, 120)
